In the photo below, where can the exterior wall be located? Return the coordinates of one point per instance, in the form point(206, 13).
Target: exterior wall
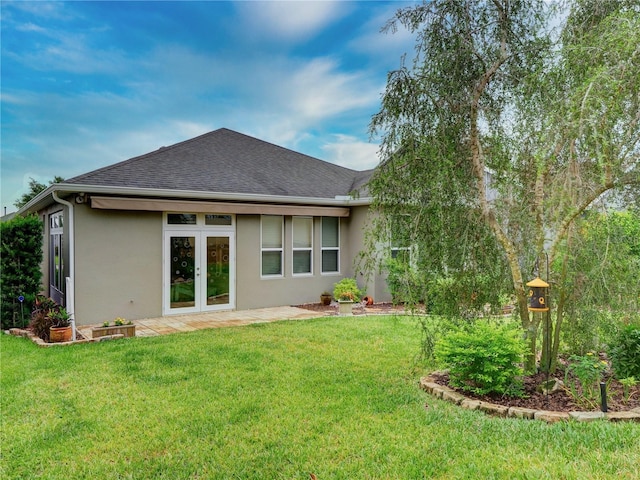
point(374, 283)
point(255, 292)
point(252, 291)
point(118, 265)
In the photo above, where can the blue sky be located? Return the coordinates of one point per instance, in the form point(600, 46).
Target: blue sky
point(88, 84)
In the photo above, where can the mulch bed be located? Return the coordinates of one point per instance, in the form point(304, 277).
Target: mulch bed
point(559, 401)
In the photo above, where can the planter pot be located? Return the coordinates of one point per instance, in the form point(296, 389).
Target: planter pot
point(345, 308)
point(126, 330)
point(60, 334)
point(325, 299)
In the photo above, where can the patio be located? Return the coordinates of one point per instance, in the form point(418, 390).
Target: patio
point(150, 327)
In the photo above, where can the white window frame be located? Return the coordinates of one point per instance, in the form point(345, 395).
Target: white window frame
point(295, 249)
point(272, 249)
point(56, 269)
point(334, 249)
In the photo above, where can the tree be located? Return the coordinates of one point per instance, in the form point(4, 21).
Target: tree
point(35, 188)
point(502, 133)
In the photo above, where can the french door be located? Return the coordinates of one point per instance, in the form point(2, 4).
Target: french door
point(199, 271)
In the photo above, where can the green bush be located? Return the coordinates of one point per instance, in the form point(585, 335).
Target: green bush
point(404, 282)
point(484, 358)
point(625, 352)
point(20, 257)
point(347, 289)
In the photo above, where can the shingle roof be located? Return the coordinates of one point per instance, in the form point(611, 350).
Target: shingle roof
point(229, 162)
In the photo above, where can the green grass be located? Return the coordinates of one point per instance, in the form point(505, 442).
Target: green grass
point(336, 397)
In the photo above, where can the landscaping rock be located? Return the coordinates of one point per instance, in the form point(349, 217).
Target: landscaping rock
point(521, 412)
point(470, 404)
point(586, 416)
point(551, 417)
point(453, 397)
point(631, 416)
point(493, 409)
point(551, 386)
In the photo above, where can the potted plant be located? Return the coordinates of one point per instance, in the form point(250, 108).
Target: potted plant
point(325, 298)
point(346, 292)
point(120, 327)
point(60, 329)
point(49, 321)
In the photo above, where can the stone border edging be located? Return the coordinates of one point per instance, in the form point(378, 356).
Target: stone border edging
point(20, 332)
point(448, 394)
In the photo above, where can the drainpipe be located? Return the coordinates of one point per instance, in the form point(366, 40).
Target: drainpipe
point(70, 280)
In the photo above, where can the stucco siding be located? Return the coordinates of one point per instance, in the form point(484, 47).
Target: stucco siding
point(118, 265)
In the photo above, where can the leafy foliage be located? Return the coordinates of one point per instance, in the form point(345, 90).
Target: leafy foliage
point(483, 358)
point(588, 370)
point(44, 316)
point(500, 136)
point(625, 352)
point(35, 188)
point(20, 257)
point(347, 289)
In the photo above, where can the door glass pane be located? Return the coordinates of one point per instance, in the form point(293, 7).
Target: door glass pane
point(217, 270)
point(183, 291)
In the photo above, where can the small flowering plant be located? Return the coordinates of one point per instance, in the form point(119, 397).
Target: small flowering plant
point(346, 290)
point(119, 321)
point(586, 372)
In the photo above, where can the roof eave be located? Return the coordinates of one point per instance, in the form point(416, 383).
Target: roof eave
point(45, 198)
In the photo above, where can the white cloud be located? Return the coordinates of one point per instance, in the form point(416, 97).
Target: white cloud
point(350, 152)
point(289, 20)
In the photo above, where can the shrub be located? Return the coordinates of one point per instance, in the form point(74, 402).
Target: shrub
point(20, 257)
point(588, 370)
point(625, 352)
point(347, 289)
point(43, 317)
point(484, 358)
point(404, 283)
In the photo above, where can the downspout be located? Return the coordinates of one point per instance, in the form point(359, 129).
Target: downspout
point(70, 280)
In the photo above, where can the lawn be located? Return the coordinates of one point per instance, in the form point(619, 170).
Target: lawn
point(336, 397)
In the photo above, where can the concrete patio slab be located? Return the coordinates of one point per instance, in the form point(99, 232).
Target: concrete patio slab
point(151, 327)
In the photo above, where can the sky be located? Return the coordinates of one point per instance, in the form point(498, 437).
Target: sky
point(89, 84)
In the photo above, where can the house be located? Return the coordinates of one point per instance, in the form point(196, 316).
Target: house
point(222, 221)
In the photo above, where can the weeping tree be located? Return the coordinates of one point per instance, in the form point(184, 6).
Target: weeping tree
point(501, 133)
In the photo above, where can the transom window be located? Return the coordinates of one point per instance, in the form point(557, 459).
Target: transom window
point(202, 219)
point(330, 245)
point(272, 234)
point(302, 245)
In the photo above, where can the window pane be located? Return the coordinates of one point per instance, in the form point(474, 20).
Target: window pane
point(302, 262)
point(329, 260)
point(271, 231)
point(302, 232)
point(330, 235)
point(271, 263)
point(217, 219)
point(181, 218)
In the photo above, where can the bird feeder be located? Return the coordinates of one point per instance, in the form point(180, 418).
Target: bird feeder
point(538, 295)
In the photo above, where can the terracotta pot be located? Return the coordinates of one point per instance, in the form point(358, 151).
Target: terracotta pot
point(60, 334)
point(325, 299)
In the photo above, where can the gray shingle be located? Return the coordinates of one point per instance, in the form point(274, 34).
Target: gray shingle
point(229, 162)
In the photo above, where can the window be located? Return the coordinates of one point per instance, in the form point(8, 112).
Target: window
point(181, 218)
point(330, 245)
point(302, 245)
point(271, 245)
point(400, 239)
point(56, 262)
